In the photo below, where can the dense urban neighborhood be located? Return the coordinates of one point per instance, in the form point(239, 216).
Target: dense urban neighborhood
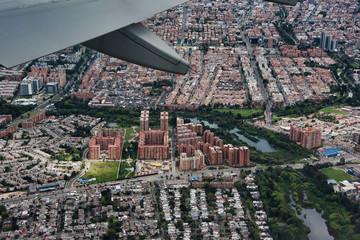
point(259, 140)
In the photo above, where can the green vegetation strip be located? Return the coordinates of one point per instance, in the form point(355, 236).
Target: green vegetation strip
point(243, 112)
point(102, 171)
point(130, 134)
point(331, 110)
point(122, 171)
point(33, 114)
point(337, 174)
point(26, 117)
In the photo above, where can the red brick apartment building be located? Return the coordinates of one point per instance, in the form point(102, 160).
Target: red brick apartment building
point(188, 136)
point(7, 131)
point(164, 121)
point(189, 143)
point(153, 144)
point(237, 156)
point(55, 75)
point(192, 163)
point(29, 123)
point(306, 137)
point(108, 141)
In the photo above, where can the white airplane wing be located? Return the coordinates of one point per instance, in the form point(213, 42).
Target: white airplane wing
point(30, 29)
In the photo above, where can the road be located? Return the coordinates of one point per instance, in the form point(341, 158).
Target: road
point(199, 77)
point(259, 79)
point(152, 189)
point(61, 220)
point(173, 149)
point(185, 81)
point(210, 84)
point(185, 9)
point(71, 182)
point(169, 175)
point(284, 15)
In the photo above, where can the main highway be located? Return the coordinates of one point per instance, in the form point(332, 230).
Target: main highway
point(158, 177)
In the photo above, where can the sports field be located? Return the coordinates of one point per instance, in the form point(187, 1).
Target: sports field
point(337, 174)
point(332, 110)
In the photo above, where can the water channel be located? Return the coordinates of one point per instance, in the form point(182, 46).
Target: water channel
point(262, 145)
point(314, 221)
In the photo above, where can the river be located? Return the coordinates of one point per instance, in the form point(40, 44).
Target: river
point(262, 145)
point(314, 221)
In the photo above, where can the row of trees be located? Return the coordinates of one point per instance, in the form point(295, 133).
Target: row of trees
point(14, 110)
point(304, 108)
point(124, 117)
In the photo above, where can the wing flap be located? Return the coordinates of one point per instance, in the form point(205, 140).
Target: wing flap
point(137, 44)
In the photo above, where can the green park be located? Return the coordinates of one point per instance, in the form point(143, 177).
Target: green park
point(102, 171)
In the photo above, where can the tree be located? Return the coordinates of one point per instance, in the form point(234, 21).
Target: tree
point(106, 197)
point(110, 235)
point(210, 198)
point(76, 157)
point(3, 211)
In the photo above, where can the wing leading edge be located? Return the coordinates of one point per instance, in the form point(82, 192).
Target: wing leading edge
point(31, 32)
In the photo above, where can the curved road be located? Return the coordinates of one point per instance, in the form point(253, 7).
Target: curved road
point(71, 182)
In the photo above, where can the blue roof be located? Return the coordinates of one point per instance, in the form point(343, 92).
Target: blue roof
point(330, 152)
point(193, 178)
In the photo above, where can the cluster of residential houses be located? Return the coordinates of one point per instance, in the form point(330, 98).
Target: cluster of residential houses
point(81, 214)
point(32, 156)
point(260, 215)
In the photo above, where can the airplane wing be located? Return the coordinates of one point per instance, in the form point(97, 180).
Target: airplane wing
point(286, 2)
point(30, 29)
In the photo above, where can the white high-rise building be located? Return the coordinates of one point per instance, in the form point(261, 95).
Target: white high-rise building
point(36, 84)
point(26, 88)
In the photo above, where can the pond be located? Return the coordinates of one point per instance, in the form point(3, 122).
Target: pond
point(314, 221)
point(262, 145)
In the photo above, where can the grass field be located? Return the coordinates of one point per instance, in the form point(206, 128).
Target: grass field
point(285, 156)
point(33, 113)
point(337, 174)
point(243, 112)
point(331, 110)
point(129, 133)
point(102, 171)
